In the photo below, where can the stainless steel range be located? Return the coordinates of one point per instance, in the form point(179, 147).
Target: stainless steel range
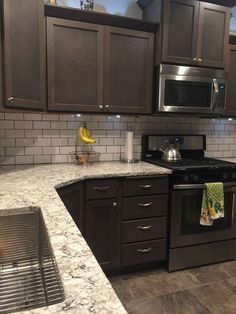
point(191, 244)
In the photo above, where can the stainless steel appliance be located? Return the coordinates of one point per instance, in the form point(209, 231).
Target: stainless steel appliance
point(190, 89)
point(191, 244)
point(29, 277)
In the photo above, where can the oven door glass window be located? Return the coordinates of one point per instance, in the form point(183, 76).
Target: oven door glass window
point(187, 94)
point(191, 205)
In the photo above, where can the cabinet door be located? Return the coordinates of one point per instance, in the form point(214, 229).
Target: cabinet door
point(24, 54)
point(180, 31)
point(1, 81)
point(128, 70)
point(231, 88)
point(213, 35)
point(75, 65)
point(101, 231)
point(72, 197)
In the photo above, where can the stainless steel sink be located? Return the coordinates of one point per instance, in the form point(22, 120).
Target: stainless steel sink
point(29, 276)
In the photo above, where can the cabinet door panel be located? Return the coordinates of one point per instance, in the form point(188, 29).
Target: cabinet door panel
point(231, 88)
point(75, 65)
point(101, 227)
point(24, 54)
point(1, 81)
point(128, 70)
point(213, 35)
point(180, 31)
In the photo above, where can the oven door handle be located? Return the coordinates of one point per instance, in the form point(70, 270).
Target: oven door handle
point(198, 186)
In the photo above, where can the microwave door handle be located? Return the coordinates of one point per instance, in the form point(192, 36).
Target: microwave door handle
point(215, 94)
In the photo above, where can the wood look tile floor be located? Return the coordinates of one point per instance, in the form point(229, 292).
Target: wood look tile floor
point(203, 290)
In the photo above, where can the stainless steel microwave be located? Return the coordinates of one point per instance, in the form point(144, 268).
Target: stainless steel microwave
point(190, 89)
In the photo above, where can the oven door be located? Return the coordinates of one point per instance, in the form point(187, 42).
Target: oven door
point(185, 216)
point(186, 94)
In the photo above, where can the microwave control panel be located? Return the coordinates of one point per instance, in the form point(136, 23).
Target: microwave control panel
point(221, 95)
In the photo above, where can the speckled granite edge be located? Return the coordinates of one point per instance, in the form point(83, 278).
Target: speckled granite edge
point(87, 289)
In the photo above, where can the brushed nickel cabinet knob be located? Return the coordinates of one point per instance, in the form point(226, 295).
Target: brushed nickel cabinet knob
point(101, 107)
point(114, 204)
point(199, 60)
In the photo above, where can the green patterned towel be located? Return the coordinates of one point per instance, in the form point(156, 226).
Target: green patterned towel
point(212, 203)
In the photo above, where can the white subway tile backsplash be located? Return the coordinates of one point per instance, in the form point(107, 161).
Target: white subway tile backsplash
point(50, 138)
point(14, 116)
point(106, 141)
point(33, 133)
point(50, 150)
point(7, 142)
point(59, 158)
point(23, 125)
point(59, 125)
point(15, 151)
point(4, 124)
point(59, 142)
point(51, 117)
point(21, 160)
point(33, 151)
point(39, 125)
point(24, 142)
point(51, 133)
point(15, 133)
point(42, 142)
point(42, 159)
point(32, 116)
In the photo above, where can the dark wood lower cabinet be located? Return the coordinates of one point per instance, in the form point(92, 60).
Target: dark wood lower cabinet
point(72, 197)
point(122, 229)
point(101, 231)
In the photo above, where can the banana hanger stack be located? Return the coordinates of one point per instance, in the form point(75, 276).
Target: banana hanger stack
point(83, 135)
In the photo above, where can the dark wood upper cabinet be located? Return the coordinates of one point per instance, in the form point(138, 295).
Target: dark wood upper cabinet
point(95, 68)
point(180, 31)
point(231, 88)
point(75, 65)
point(128, 70)
point(24, 54)
point(1, 81)
point(213, 35)
point(195, 33)
point(101, 231)
point(191, 32)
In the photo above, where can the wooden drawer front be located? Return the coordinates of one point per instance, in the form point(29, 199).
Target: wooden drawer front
point(144, 229)
point(145, 186)
point(100, 189)
point(144, 207)
point(143, 252)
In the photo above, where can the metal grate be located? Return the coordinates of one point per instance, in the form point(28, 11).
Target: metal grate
point(29, 277)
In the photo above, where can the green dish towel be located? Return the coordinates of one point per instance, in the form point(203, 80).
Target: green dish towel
point(212, 203)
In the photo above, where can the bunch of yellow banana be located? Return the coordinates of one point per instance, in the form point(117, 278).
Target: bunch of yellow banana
point(84, 135)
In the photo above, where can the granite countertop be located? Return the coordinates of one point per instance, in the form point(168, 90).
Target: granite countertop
point(87, 290)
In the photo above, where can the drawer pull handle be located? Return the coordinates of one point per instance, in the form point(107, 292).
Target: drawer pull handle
point(145, 187)
point(145, 205)
point(101, 188)
point(145, 227)
point(148, 250)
